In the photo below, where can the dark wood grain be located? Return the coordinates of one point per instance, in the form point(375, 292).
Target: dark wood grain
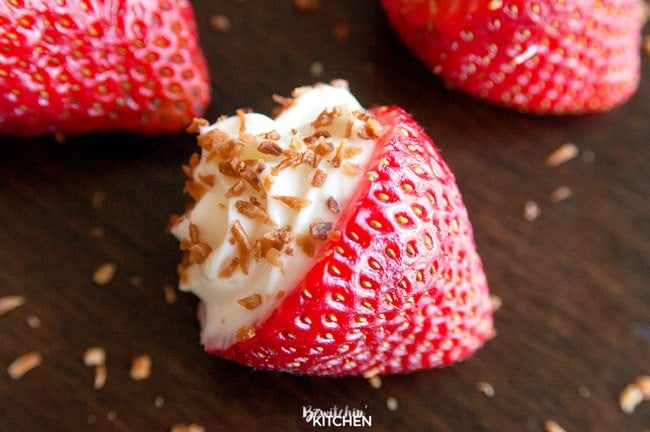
point(574, 328)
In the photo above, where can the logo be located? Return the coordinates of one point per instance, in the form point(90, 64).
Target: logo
point(337, 417)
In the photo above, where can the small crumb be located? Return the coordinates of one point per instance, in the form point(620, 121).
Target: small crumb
point(485, 388)
point(97, 233)
point(98, 199)
point(562, 154)
point(561, 193)
point(251, 302)
point(94, 356)
point(244, 333)
point(104, 274)
point(141, 367)
point(197, 123)
point(159, 402)
point(531, 210)
point(306, 5)
point(23, 364)
point(629, 398)
point(553, 426)
point(220, 23)
point(588, 156)
point(135, 281)
point(33, 321)
point(316, 69)
point(584, 392)
point(643, 383)
point(111, 415)
point(391, 403)
point(374, 381)
point(496, 301)
point(341, 31)
point(9, 303)
point(170, 294)
point(100, 376)
point(193, 427)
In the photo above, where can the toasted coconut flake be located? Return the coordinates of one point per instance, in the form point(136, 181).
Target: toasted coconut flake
point(23, 364)
point(245, 333)
point(94, 356)
point(319, 230)
point(197, 123)
point(630, 398)
point(199, 252)
point(230, 268)
point(307, 244)
point(104, 274)
point(192, 427)
point(194, 189)
point(241, 114)
point(319, 178)
point(244, 244)
point(251, 302)
point(273, 256)
point(292, 202)
point(215, 139)
point(334, 235)
point(351, 169)
point(333, 205)
point(208, 179)
point(9, 303)
point(373, 127)
point(562, 154)
point(254, 212)
point(270, 147)
point(140, 367)
point(351, 151)
point(33, 321)
point(100, 376)
point(169, 293)
point(236, 189)
point(391, 403)
point(553, 426)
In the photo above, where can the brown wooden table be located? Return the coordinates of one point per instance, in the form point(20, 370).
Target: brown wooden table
point(573, 330)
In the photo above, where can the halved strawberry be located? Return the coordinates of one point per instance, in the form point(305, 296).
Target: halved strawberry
point(77, 66)
point(543, 56)
point(398, 286)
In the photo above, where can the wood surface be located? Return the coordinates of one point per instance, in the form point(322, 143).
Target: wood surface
point(573, 331)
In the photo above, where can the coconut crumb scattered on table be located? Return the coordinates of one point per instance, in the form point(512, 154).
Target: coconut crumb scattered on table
point(561, 193)
point(141, 367)
point(584, 391)
point(23, 364)
point(496, 301)
point(486, 388)
point(220, 23)
point(100, 376)
point(111, 415)
point(183, 427)
point(562, 154)
point(10, 302)
point(531, 210)
point(391, 403)
point(169, 293)
point(33, 321)
point(316, 69)
point(104, 274)
point(629, 398)
point(306, 5)
point(94, 356)
point(553, 426)
point(159, 402)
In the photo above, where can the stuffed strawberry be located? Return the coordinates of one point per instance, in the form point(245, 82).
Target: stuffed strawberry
point(331, 240)
point(543, 56)
point(70, 67)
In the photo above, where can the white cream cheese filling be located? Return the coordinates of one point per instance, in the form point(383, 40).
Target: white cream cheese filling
point(241, 282)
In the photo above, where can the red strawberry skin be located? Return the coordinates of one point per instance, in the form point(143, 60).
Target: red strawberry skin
point(71, 67)
point(402, 289)
point(543, 56)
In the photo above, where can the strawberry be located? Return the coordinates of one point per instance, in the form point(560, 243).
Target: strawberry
point(396, 287)
point(75, 66)
point(543, 56)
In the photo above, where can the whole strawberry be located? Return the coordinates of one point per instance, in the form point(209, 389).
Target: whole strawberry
point(310, 261)
point(80, 66)
point(543, 56)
